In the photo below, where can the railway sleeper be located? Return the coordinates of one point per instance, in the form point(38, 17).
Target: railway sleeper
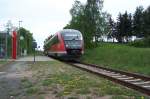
point(146, 86)
point(133, 80)
point(141, 83)
point(108, 74)
point(119, 76)
point(126, 78)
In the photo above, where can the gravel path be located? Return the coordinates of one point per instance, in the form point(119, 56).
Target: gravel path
point(10, 80)
point(11, 75)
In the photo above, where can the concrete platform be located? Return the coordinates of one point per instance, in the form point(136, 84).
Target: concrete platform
point(37, 58)
point(6, 59)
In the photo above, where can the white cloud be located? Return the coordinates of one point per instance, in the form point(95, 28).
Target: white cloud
point(116, 6)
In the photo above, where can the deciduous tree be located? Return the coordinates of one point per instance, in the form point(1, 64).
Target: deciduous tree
point(89, 19)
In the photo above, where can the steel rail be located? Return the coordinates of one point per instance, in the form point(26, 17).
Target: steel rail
point(119, 71)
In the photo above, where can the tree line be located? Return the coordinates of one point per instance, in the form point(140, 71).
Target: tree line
point(128, 25)
point(94, 23)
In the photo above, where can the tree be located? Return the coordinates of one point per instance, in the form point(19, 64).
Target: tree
point(146, 24)
point(26, 42)
point(124, 27)
point(112, 29)
point(9, 27)
point(89, 19)
point(119, 28)
point(127, 18)
point(138, 22)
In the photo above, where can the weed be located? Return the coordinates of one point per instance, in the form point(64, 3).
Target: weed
point(82, 91)
point(72, 97)
point(24, 79)
point(47, 82)
point(32, 90)
point(88, 97)
point(27, 84)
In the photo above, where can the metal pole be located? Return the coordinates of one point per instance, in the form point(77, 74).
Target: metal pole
point(18, 41)
point(34, 55)
point(6, 45)
point(19, 46)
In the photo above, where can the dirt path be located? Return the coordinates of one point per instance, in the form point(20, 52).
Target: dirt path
point(12, 74)
point(10, 80)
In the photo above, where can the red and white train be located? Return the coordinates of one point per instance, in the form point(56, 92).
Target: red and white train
point(66, 44)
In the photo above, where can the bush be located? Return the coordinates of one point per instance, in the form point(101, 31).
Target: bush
point(141, 43)
point(137, 43)
point(147, 41)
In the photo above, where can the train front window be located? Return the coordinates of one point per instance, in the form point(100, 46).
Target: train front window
point(72, 36)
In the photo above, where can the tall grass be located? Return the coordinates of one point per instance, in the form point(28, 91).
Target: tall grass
point(120, 57)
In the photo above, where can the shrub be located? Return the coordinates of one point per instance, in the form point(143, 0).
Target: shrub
point(147, 41)
point(141, 43)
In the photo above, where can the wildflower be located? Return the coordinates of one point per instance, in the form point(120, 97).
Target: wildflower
point(142, 97)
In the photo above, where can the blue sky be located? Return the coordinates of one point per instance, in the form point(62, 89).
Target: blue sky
point(45, 17)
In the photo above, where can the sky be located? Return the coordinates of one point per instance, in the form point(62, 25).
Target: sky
point(46, 17)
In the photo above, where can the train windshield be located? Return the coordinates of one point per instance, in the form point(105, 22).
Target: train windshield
point(72, 36)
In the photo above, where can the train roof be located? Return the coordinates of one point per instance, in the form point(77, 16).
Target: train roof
point(69, 30)
point(63, 32)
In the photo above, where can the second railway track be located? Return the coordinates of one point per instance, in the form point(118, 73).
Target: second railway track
point(134, 81)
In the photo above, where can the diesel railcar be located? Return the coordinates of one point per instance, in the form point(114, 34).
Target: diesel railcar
point(65, 44)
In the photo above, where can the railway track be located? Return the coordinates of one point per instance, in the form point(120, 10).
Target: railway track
point(134, 81)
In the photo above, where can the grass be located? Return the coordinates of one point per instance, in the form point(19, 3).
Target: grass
point(27, 84)
point(32, 90)
point(120, 57)
point(64, 81)
point(3, 62)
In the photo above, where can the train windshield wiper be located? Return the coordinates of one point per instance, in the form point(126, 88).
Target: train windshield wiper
point(75, 38)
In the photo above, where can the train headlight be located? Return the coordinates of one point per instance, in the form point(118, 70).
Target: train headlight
point(67, 45)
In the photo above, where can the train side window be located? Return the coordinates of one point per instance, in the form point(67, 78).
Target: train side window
point(55, 41)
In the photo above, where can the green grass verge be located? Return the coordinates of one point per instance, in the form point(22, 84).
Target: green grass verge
point(120, 57)
point(3, 62)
